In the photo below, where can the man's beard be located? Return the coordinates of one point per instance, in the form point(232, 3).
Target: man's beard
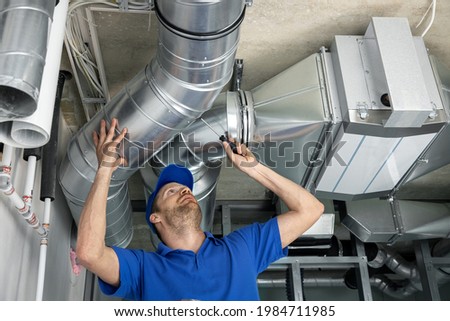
point(184, 217)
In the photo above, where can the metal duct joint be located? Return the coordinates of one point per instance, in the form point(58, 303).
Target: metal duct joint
point(194, 60)
point(24, 32)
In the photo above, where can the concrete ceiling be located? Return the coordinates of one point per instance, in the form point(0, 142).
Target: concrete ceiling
point(274, 35)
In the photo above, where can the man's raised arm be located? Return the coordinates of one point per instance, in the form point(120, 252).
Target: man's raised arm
point(304, 208)
point(91, 249)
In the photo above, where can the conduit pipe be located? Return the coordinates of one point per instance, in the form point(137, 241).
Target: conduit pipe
point(8, 189)
point(33, 130)
point(24, 26)
point(194, 61)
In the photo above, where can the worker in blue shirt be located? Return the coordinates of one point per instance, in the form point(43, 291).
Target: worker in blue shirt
point(189, 264)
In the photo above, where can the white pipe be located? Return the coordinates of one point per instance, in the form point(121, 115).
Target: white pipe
point(7, 155)
point(41, 271)
point(47, 203)
point(34, 131)
point(29, 180)
point(15, 198)
point(8, 189)
point(43, 252)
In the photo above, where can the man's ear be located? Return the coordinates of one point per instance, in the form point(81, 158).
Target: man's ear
point(154, 218)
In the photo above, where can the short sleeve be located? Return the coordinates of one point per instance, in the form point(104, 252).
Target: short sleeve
point(263, 242)
point(130, 262)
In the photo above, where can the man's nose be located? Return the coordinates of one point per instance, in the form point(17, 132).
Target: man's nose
point(185, 190)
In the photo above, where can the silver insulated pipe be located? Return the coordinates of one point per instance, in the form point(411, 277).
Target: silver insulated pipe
point(194, 61)
point(24, 33)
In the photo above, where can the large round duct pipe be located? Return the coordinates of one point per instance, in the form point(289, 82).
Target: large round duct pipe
point(35, 130)
point(194, 61)
point(24, 32)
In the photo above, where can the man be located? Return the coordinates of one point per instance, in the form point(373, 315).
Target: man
point(189, 264)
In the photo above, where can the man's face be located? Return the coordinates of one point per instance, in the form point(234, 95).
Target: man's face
point(178, 207)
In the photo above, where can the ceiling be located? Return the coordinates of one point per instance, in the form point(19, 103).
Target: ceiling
point(274, 35)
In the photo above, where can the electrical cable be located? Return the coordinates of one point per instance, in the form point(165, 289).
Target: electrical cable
point(82, 55)
point(433, 15)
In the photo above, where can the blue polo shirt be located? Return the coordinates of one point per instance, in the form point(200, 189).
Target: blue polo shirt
point(223, 269)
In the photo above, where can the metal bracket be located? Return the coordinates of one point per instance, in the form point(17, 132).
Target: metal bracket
point(226, 220)
point(397, 218)
point(237, 75)
point(362, 278)
point(363, 111)
point(123, 5)
point(296, 277)
point(434, 113)
point(426, 270)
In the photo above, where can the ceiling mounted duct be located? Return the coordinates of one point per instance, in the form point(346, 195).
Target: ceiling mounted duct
point(391, 107)
point(378, 220)
point(342, 114)
point(194, 61)
point(24, 33)
point(276, 119)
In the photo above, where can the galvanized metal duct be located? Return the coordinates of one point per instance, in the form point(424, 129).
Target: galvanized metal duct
point(434, 157)
point(24, 32)
point(377, 220)
point(193, 62)
point(277, 119)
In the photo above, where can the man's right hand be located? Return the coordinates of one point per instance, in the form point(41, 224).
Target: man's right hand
point(107, 146)
point(243, 159)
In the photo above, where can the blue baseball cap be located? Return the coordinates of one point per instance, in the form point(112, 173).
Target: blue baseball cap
point(171, 174)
